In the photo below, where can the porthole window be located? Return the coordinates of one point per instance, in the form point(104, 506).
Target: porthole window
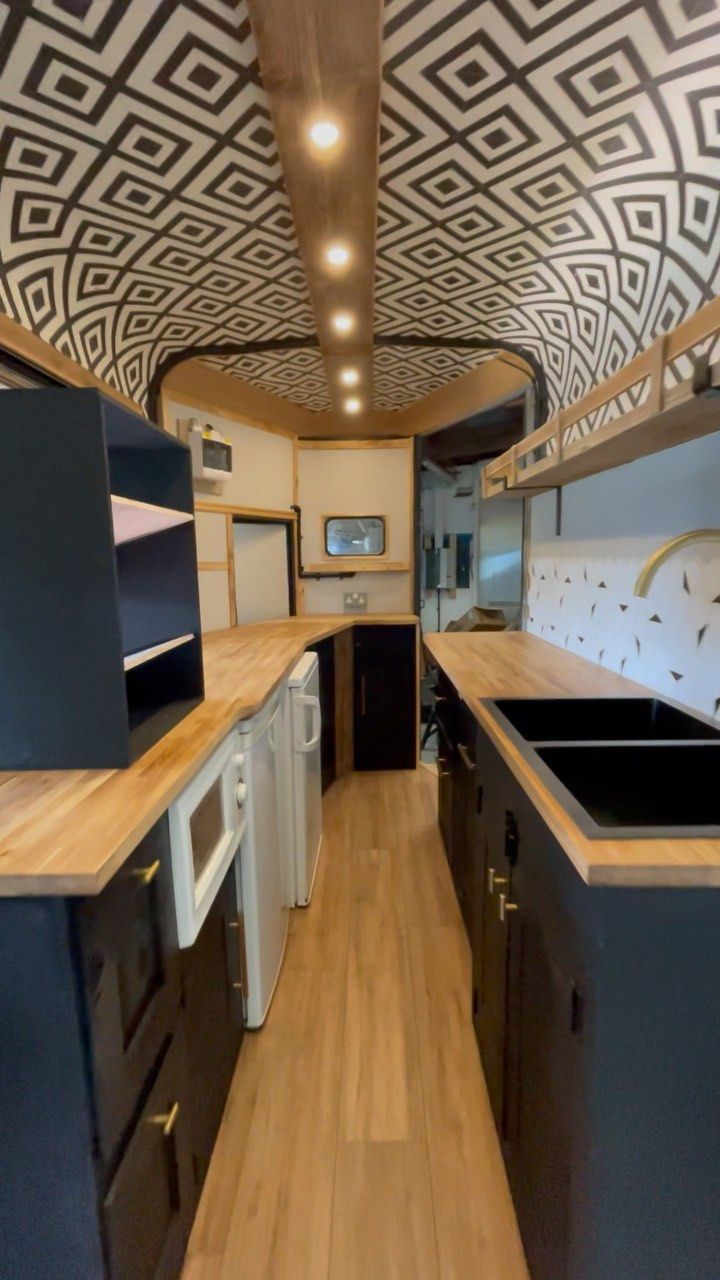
point(354, 535)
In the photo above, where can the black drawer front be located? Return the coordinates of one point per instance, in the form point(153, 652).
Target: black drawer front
point(130, 980)
point(213, 976)
point(149, 1207)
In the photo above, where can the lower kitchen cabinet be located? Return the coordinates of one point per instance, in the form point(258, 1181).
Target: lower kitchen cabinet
point(598, 1026)
point(115, 1058)
point(385, 697)
point(149, 1207)
point(213, 984)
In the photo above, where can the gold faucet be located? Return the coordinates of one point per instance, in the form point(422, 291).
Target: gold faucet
point(663, 553)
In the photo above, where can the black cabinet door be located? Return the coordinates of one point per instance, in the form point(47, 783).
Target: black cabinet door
point(212, 981)
point(549, 1027)
point(149, 1207)
point(465, 832)
point(130, 981)
point(446, 778)
point(385, 701)
point(492, 964)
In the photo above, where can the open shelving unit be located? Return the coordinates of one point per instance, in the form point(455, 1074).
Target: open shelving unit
point(140, 656)
point(100, 631)
point(132, 519)
point(665, 396)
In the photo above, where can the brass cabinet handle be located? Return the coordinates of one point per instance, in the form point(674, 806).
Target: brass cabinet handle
point(504, 906)
point(166, 1121)
point(465, 756)
point(146, 875)
point(494, 881)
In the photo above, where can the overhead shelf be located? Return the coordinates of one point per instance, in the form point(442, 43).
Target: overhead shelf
point(665, 396)
point(133, 519)
point(141, 656)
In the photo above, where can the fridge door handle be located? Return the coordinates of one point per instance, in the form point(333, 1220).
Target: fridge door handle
point(309, 700)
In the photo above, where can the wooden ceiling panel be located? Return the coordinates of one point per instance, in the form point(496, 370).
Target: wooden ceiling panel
point(320, 59)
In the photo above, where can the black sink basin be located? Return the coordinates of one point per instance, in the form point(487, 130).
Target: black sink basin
point(602, 720)
point(642, 790)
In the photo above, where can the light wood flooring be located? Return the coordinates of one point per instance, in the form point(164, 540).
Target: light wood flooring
point(357, 1143)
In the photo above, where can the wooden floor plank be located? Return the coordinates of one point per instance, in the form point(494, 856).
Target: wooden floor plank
point(358, 1142)
point(382, 1214)
point(474, 1216)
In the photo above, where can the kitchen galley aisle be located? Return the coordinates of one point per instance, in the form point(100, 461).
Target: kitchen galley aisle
point(358, 1118)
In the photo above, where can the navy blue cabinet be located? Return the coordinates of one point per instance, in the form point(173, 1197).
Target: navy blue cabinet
point(385, 697)
point(98, 582)
point(116, 1056)
point(598, 1026)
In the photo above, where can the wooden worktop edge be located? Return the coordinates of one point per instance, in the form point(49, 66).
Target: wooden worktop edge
point(214, 718)
point(596, 861)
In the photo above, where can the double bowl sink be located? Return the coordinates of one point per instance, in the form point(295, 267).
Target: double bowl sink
point(621, 767)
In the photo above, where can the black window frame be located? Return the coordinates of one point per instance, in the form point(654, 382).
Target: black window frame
point(351, 555)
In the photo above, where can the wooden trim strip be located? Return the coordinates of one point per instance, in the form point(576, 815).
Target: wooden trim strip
point(206, 566)
point(354, 564)
point(249, 513)
point(382, 442)
point(230, 543)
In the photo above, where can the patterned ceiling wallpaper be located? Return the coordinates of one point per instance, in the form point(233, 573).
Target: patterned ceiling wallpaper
point(297, 375)
point(142, 207)
point(549, 174)
point(402, 375)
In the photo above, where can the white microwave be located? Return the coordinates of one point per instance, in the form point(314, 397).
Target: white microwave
point(207, 822)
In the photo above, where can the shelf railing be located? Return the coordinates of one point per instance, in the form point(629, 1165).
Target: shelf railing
point(666, 395)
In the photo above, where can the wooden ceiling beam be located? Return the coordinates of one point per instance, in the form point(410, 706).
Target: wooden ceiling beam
point(321, 59)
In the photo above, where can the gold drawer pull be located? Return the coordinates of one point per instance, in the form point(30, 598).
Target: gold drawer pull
point(494, 881)
point(167, 1120)
point(504, 906)
point(146, 875)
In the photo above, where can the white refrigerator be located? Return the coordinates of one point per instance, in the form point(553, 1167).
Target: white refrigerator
point(305, 792)
point(260, 864)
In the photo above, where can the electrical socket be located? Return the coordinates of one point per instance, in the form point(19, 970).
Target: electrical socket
point(356, 601)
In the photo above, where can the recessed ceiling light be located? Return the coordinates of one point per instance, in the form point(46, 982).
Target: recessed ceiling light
point(342, 322)
point(352, 405)
point(324, 134)
point(338, 255)
point(349, 377)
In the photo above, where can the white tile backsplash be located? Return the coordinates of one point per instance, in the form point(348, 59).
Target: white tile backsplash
point(580, 592)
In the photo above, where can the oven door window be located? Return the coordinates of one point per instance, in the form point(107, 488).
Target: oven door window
point(207, 828)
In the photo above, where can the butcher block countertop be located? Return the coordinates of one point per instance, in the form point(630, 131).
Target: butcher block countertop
point(515, 664)
point(66, 832)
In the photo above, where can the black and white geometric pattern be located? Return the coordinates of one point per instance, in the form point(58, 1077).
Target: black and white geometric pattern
point(142, 207)
point(297, 375)
point(402, 375)
point(549, 175)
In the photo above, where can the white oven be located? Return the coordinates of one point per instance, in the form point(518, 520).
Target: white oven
point(207, 822)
